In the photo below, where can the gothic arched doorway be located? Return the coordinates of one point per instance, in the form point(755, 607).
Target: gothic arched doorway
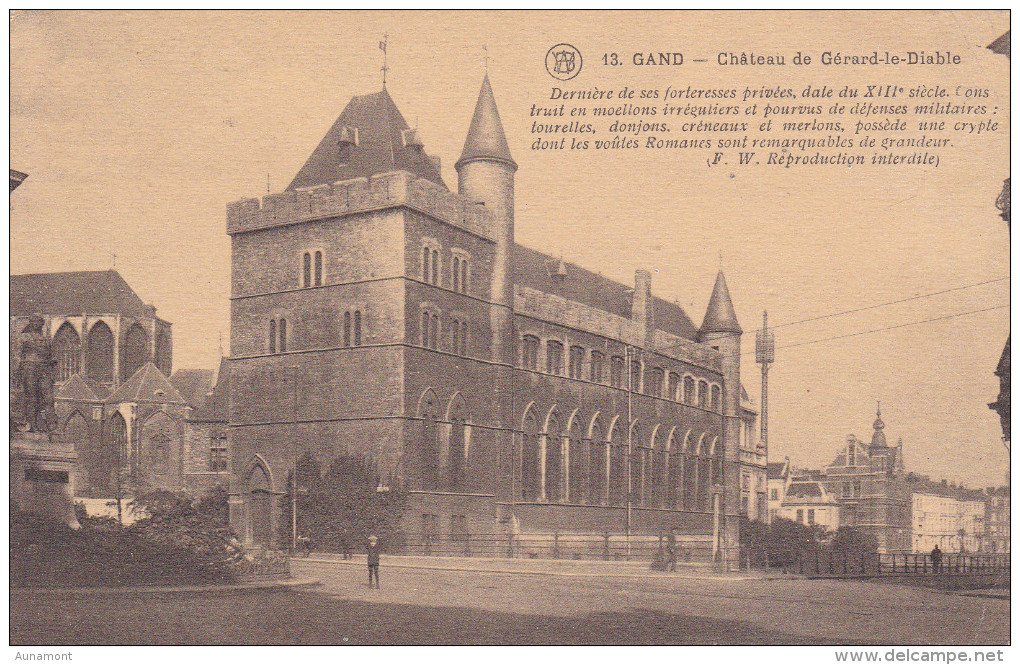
point(260, 506)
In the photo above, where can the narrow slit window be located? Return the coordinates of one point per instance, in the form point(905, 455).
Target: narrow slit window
point(357, 328)
point(318, 268)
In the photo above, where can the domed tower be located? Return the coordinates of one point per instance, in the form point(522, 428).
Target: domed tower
point(721, 331)
point(878, 438)
point(485, 173)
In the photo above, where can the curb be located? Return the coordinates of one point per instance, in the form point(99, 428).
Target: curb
point(558, 573)
point(278, 586)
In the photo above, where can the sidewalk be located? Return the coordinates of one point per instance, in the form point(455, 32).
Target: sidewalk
point(554, 567)
point(295, 583)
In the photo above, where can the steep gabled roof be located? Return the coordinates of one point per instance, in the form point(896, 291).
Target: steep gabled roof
point(74, 293)
point(485, 138)
point(83, 389)
point(775, 470)
point(532, 269)
point(194, 385)
point(215, 407)
point(147, 385)
point(381, 132)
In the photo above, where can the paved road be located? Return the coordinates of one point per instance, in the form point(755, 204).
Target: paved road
point(812, 610)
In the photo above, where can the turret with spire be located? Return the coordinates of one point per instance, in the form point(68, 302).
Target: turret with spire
point(485, 173)
point(878, 438)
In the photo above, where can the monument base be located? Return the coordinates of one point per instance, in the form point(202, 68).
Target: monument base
point(42, 475)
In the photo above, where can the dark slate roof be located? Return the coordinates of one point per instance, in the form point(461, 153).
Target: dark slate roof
point(532, 269)
point(1002, 369)
point(485, 138)
point(775, 470)
point(719, 315)
point(805, 489)
point(74, 293)
point(380, 146)
point(1001, 45)
point(194, 385)
point(147, 385)
point(83, 389)
point(215, 407)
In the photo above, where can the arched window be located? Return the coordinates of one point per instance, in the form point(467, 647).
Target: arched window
point(307, 271)
point(529, 459)
point(163, 352)
point(553, 461)
point(430, 447)
point(347, 329)
point(318, 268)
point(674, 387)
point(160, 451)
point(690, 485)
point(597, 362)
point(463, 276)
point(653, 386)
point(425, 264)
point(704, 477)
point(272, 335)
point(703, 394)
point(529, 351)
point(635, 376)
point(118, 443)
point(576, 366)
point(617, 468)
point(637, 466)
point(463, 338)
point(658, 477)
point(715, 397)
point(135, 352)
point(434, 332)
point(554, 357)
point(100, 353)
point(357, 328)
point(426, 318)
point(616, 372)
point(675, 469)
point(456, 273)
point(458, 452)
point(578, 482)
point(283, 335)
point(435, 267)
point(67, 352)
point(596, 466)
point(688, 390)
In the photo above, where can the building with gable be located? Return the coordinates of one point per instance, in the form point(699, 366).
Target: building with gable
point(869, 482)
point(375, 312)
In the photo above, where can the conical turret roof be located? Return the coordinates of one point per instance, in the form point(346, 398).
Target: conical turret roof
point(485, 137)
point(379, 145)
point(720, 316)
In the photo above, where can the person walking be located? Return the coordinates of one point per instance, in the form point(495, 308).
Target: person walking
point(671, 551)
point(936, 559)
point(373, 547)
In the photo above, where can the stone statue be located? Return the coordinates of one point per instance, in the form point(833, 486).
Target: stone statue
point(33, 371)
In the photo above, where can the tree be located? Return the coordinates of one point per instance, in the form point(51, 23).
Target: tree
point(344, 505)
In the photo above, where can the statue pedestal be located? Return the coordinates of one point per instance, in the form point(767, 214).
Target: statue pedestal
point(42, 475)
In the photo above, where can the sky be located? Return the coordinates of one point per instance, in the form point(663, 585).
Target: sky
point(137, 129)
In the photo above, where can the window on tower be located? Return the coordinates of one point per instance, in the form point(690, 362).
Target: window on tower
point(597, 361)
point(307, 270)
point(674, 387)
point(703, 394)
point(435, 267)
point(576, 362)
point(715, 397)
point(635, 376)
point(357, 328)
point(554, 357)
point(456, 273)
point(463, 275)
point(688, 390)
point(616, 372)
point(347, 329)
point(318, 268)
point(654, 383)
point(529, 352)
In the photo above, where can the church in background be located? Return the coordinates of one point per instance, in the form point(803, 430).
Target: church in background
point(132, 427)
point(374, 312)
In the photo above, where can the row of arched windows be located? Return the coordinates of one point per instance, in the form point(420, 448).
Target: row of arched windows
point(311, 269)
point(696, 392)
point(431, 268)
point(432, 331)
point(353, 327)
point(100, 350)
point(673, 469)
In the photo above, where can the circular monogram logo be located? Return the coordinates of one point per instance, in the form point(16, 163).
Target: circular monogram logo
point(563, 62)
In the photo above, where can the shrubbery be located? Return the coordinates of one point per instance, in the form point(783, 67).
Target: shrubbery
point(785, 542)
point(177, 544)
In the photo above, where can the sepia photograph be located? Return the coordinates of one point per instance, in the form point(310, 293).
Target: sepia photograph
point(507, 328)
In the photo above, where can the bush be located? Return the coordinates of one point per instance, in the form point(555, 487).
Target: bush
point(176, 545)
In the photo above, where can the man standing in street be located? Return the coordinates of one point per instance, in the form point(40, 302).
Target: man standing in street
point(671, 551)
point(936, 559)
point(373, 548)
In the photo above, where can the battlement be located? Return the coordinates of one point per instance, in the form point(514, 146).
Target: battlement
point(557, 309)
point(384, 190)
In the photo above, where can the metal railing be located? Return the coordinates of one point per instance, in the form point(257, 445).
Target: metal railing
point(605, 546)
point(821, 563)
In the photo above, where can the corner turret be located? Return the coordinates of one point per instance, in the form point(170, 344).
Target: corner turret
point(878, 438)
point(720, 316)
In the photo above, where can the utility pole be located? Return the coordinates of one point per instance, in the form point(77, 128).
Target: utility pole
point(765, 354)
point(630, 442)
